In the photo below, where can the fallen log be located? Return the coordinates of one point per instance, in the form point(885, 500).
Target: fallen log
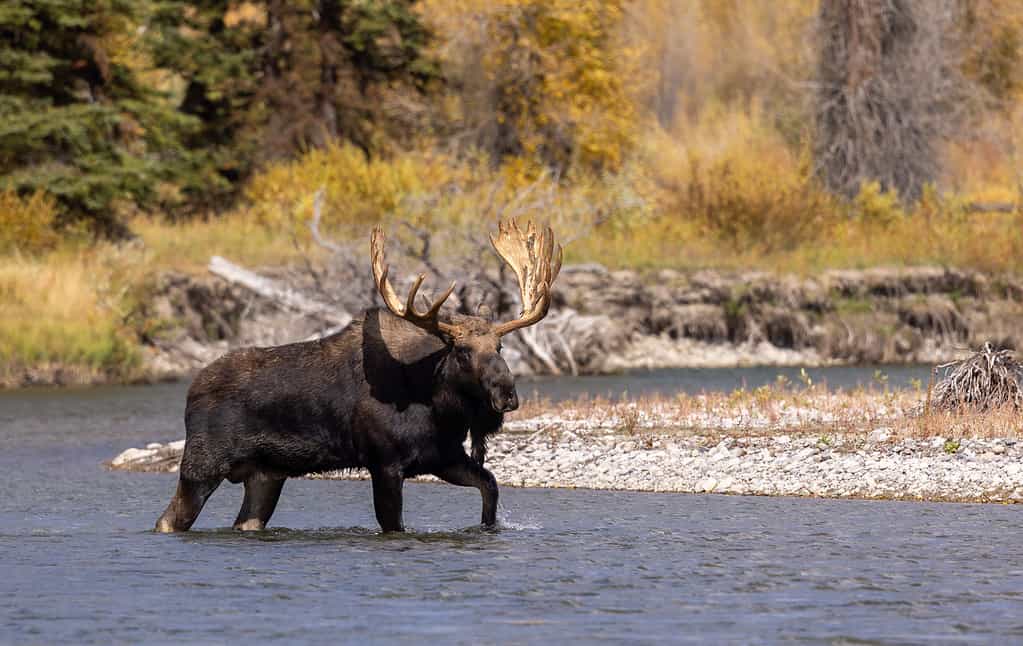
point(283, 296)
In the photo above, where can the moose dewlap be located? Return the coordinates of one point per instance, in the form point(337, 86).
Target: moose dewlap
point(397, 392)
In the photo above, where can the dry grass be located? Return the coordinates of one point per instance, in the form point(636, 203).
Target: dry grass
point(65, 308)
point(812, 411)
point(998, 422)
point(991, 242)
point(71, 309)
point(187, 247)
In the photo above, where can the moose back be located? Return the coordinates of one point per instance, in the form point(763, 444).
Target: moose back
point(398, 391)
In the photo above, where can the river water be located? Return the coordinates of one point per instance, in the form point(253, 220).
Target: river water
point(80, 565)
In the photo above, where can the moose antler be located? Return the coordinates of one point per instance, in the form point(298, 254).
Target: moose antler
point(536, 261)
point(407, 311)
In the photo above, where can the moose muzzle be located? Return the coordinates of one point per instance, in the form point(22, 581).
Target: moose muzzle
point(500, 385)
point(505, 402)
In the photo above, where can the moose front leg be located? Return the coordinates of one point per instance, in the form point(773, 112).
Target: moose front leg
point(467, 473)
point(387, 485)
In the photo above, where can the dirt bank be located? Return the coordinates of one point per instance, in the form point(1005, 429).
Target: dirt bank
point(604, 321)
point(658, 320)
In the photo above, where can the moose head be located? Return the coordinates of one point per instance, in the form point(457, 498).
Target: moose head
point(473, 363)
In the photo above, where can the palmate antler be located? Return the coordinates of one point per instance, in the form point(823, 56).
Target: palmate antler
point(536, 261)
point(407, 311)
point(532, 254)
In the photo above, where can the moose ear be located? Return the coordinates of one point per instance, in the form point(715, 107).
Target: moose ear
point(401, 341)
point(398, 358)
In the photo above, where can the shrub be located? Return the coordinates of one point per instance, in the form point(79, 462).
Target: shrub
point(735, 199)
point(740, 183)
point(872, 205)
point(26, 224)
point(460, 199)
point(358, 190)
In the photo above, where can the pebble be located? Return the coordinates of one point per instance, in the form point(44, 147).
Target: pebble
point(880, 435)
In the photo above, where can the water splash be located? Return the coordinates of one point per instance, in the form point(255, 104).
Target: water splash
point(507, 519)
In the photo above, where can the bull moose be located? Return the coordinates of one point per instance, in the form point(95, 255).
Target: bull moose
point(397, 391)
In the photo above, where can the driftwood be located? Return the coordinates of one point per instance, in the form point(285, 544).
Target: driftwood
point(987, 379)
point(555, 346)
point(991, 207)
point(282, 295)
point(565, 342)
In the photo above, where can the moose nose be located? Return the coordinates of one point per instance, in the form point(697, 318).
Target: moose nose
point(511, 402)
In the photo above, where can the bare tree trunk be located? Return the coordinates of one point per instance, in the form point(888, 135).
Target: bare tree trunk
point(889, 89)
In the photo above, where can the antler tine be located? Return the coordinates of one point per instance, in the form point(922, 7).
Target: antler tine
point(410, 302)
point(407, 310)
point(536, 260)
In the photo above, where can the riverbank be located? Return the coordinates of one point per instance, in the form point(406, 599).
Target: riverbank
point(864, 445)
point(601, 321)
point(611, 321)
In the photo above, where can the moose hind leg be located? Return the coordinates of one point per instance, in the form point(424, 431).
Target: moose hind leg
point(261, 496)
point(186, 504)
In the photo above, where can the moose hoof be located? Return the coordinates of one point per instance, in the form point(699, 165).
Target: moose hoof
point(164, 526)
point(250, 525)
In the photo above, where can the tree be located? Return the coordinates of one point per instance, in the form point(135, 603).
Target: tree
point(270, 79)
point(890, 88)
point(344, 69)
point(213, 48)
point(75, 120)
point(547, 80)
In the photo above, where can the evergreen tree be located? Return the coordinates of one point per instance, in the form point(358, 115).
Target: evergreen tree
point(359, 76)
point(216, 54)
point(270, 79)
point(75, 119)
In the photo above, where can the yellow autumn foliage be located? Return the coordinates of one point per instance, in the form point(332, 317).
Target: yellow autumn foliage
point(549, 80)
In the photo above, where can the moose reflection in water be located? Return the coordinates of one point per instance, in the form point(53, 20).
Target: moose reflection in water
point(398, 391)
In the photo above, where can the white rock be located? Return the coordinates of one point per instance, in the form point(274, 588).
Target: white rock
point(803, 454)
point(706, 485)
point(132, 455)
point(880, 435)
